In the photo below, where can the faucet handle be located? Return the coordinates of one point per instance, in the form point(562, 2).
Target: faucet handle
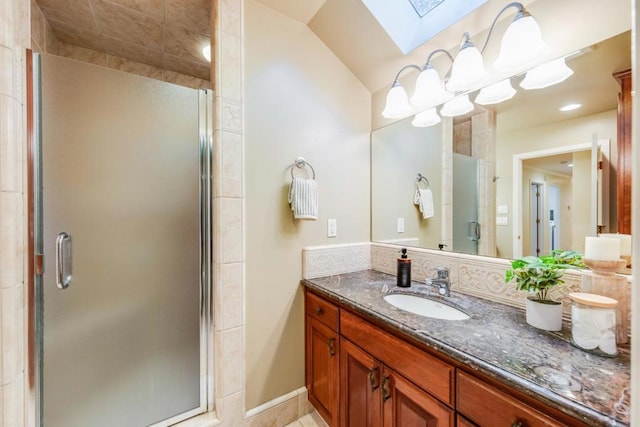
point(443, 272)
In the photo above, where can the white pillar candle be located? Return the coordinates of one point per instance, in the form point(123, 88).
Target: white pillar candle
point(625, 242)
point(602, 249)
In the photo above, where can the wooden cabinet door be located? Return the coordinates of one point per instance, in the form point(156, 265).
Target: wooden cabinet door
point(406, 405)
point(360, 402)
point(322, 362)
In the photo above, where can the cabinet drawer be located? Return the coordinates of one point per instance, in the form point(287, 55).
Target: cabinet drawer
point(322, 310)
point(425, 371)
point(487, 406)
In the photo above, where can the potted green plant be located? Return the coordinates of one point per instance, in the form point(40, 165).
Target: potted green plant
point(538, 275)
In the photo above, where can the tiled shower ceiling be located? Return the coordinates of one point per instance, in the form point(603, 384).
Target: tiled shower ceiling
point(168, 34)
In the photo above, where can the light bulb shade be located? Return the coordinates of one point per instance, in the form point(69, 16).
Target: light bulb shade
point(397, 105)
point(457, 107)
point(426, 118)
point(429, 90)
point(546, 75)
point(467, 70)
point(495, 93)
point(521, 45)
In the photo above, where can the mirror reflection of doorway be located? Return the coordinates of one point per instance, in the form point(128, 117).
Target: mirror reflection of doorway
point(554, 183)
point(536, 217)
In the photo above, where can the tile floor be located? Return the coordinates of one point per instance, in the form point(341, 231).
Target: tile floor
point(310, 420)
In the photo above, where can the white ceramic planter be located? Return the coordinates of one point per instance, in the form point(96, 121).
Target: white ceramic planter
point(544, 316)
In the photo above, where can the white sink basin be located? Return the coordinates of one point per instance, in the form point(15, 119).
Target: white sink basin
point(425, 307)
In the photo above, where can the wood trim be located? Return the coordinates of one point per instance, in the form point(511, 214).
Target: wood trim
point(624, 166)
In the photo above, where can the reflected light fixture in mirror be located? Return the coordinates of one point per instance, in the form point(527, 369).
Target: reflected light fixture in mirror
point(546, 75)
point(457, 107)
point(426, 118)
point(496, 93)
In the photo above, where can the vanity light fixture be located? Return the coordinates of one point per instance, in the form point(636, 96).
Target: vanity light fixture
point(426, 118)
point(496, 93)
point(546, 75)
point(521, 45)
point(522, 41)
point(397, 105)
point(570, 107)
point(430, 91)
point(457, 107)
point(467, 70)
point(206, 52)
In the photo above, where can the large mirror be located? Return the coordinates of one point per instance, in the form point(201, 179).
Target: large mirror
point(518, 178)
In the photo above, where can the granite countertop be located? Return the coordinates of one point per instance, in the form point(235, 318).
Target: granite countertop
point(498, 342)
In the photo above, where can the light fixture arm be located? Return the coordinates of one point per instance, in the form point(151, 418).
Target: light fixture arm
point(522, 12)
point(427, 64)
point(395, 80)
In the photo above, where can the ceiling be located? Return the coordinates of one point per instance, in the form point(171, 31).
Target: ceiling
point(558, 163)
point(167, 34)
point(171, 33)
point(591, 85)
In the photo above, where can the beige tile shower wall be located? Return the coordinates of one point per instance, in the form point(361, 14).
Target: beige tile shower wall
point(228, 232)
point(43, 39)
point(14, 39)
point(301, 100)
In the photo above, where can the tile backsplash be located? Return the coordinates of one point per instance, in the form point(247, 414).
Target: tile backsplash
point(479, 276)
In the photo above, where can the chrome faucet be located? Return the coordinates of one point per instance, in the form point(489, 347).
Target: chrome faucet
point(441, 282)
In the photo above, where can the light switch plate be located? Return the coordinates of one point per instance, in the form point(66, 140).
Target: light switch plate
point(400, 227)
point(502, 209)
point(332, 228)
point(502, 220)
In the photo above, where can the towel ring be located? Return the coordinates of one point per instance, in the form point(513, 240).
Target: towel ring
point(422, 178)
point(300, 163)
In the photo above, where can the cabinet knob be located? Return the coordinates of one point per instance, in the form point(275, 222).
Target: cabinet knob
point(319, 310)
point(516, 423)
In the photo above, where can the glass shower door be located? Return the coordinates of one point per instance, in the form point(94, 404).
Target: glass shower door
point(466, 228)
point(120, 160)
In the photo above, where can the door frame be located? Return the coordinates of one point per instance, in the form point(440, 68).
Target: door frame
point(516, 201)
point(35, 259)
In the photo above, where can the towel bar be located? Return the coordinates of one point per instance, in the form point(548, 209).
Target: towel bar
point(422, 178)
point(300, 163)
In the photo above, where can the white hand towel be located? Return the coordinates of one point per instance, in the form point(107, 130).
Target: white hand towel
point(303, 197)
point(424, 199)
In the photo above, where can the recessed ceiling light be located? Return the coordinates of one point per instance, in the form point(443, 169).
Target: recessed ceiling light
point(570, 107)
point(206, 52)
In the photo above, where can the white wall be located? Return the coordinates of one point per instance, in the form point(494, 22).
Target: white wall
point(559, 134)
point(300, 100)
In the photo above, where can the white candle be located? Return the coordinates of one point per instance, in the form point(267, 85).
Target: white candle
point(602, 249)
point(625, 242)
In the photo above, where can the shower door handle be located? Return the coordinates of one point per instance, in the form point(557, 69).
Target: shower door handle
point(63, 260)
point(474, 231)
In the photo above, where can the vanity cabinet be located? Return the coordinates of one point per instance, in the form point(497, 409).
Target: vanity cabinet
point(486, 406)
point(322, 359)
point(379, 379)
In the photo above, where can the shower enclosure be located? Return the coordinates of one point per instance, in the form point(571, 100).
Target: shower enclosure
point(122, 219)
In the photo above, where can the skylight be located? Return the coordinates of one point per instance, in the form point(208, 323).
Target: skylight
point(422, 7)
point(413, 22)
